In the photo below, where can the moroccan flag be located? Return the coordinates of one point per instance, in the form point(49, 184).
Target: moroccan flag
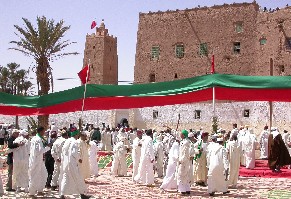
point(84, 74)
point(212, 65)
point(93, 24)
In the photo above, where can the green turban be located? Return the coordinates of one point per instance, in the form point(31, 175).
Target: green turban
point(185, 133)
point(73, 133)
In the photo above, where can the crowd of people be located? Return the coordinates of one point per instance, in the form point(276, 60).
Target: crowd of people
point(65, 158)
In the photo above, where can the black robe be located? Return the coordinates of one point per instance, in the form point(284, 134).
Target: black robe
point(278, 152)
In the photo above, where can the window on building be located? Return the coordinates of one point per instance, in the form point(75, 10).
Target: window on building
point(263, 41)
point(239, 27)
point(176, 75)
point(93, 47)
point(236, 47)
point(281, 70)
point(152, 77)
point(203, 50)
point(155, 114)
point(179, 50)
point(197, 114)
point(247, 113)
point(288, 43)
point(155, 53)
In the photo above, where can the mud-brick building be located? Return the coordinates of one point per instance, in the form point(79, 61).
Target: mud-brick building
point(245, 40)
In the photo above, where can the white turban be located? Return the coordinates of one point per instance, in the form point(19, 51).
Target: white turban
point(23, 132)
point(190, 135)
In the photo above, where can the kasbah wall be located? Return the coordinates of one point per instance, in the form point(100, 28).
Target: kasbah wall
point(264, 50)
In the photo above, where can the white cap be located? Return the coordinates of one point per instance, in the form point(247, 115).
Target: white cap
point(15, 131)
point(190, 135)
point(273, 128)
point(23, 132)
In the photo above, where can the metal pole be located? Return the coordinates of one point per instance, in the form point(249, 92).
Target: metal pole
point(83, 103)
point(270, 102)
point(213, 101)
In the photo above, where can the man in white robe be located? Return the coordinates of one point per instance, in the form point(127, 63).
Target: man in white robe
point(56, 153)
point(170, 180)
point(145, 173)
point(20, 161)
point(95, 146)
point(234, 131)
point(200, 160)
point(132, 135)
point(240, 139)
point(234, 152)
point(84, 156)
point(114, 133)
point(192, 154)
point(217, 166)
point(37, 172)
point(107, 140)
point(183, 177)
point(264, 143)
point(119, 166)
point(71, 180)
point(136, 153)
point(249, 147)
point(159, 155)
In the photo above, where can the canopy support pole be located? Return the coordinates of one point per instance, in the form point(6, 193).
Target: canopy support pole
point(270, 102)
point(85, 89)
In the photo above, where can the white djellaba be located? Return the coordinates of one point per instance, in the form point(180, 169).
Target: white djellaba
point(249, 146)
point(37, 166)
point(71, 181)
point(136, 153)
point(119, 166)
point(170, 180)
point(217, 165)
point(183, 177)
point(264, 143)
point(145, 173)
point(20, 161)
point(234, 151)
point(159, 154)
point(93, 150)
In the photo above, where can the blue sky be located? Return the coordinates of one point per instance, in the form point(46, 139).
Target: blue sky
point(121, 18)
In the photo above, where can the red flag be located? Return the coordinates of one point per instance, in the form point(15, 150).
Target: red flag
point(84, 74)
point(212, 65)
point(93, 24)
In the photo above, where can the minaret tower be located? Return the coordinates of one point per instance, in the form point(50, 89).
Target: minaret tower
point(101, 50)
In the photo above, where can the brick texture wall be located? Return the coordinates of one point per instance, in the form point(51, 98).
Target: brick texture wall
point(217, 27)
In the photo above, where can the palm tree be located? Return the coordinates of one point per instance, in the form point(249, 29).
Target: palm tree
point(44, 44)
point(14, 81)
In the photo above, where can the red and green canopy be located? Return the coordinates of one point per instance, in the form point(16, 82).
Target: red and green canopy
point(196, 89)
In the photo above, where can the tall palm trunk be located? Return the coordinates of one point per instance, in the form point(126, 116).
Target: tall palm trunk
point(43, 80)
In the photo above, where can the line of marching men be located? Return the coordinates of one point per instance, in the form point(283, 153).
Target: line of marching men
point(181, 159)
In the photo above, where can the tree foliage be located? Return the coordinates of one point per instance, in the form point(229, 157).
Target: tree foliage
point(44, 43)
point(15, 81)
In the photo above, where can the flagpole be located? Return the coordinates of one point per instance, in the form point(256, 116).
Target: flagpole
point(85, 89)
point(213, 88)
point(214, 119)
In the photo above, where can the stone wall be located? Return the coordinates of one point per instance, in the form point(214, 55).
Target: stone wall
point(227, 112)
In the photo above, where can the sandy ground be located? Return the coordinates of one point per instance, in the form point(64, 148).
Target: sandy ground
point(107, 186)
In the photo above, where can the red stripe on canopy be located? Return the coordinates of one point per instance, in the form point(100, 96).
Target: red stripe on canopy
point(107, 103)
